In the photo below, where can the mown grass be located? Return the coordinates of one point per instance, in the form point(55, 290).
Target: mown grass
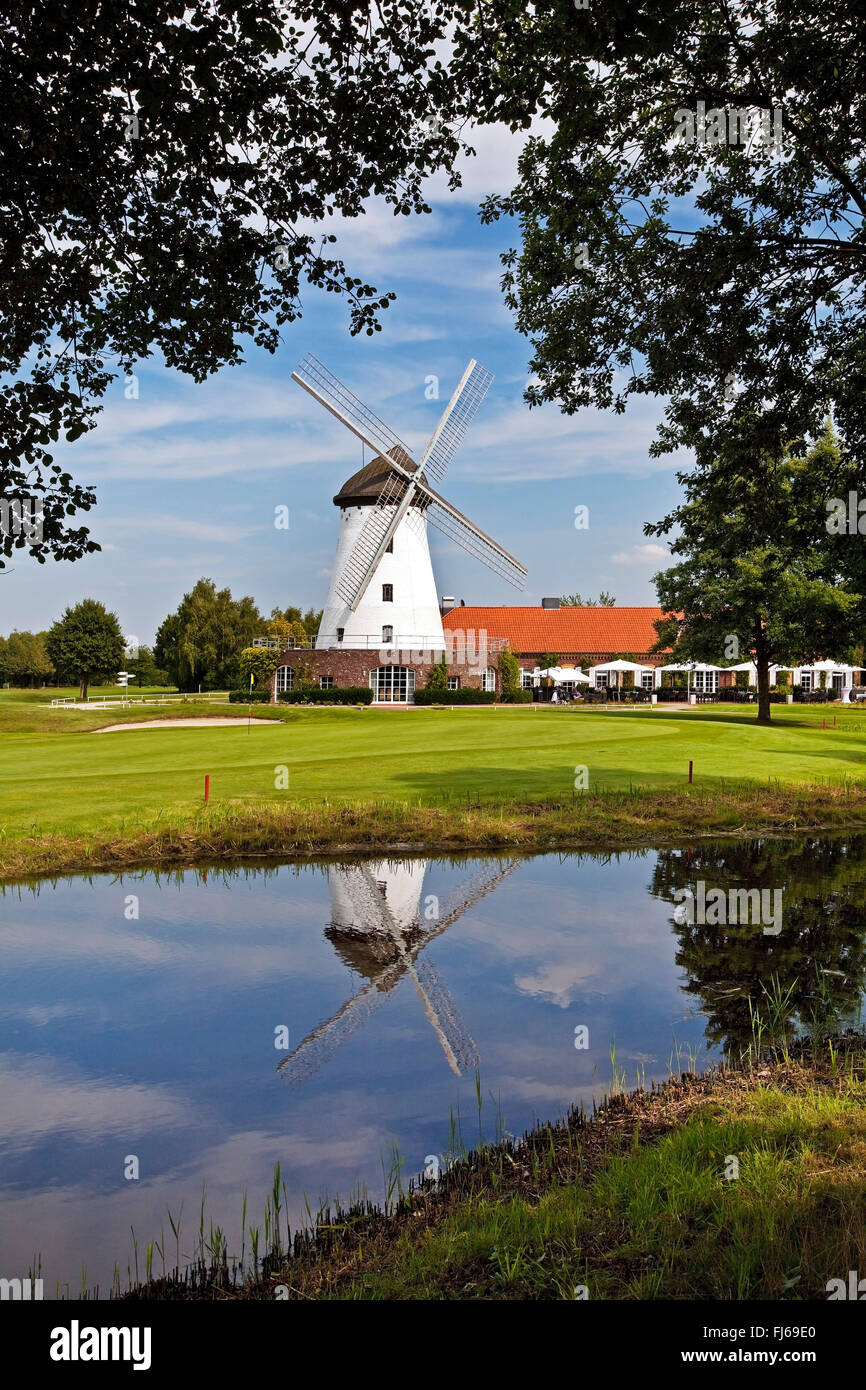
point(461, 778)
point(744, 1183)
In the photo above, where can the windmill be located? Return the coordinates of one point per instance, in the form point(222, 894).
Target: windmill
point(384, 939)
point(385, 508)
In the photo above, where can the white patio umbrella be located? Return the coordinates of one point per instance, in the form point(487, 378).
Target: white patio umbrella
point(561, 674)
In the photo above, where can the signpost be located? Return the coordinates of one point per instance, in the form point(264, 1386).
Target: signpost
point(123, 678)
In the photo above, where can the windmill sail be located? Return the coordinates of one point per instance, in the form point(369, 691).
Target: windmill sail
point(459, 528)
point(399, 498)
point(456, 419)
point(330, 392)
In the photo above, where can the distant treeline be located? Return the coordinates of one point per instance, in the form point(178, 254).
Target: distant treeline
point(198, 645)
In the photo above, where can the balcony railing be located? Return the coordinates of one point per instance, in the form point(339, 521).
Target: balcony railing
point(456, 642)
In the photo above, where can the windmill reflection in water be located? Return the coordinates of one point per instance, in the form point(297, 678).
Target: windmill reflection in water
point(380, 930)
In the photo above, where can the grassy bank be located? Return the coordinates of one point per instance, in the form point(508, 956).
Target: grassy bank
point(740, 1184)
point(313, 780)
point(603, 820)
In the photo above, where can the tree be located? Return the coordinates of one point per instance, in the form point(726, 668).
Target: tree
point(509, 673)
point(201, 643)
point(437, 676)
point(604, 600)
point(548, 659)
point(294, 627)
point(758, 578)
point(260, 663)
point(144, 668)
point(86, 644)
point(23, 658)
point(662, 252)
point(167, 184)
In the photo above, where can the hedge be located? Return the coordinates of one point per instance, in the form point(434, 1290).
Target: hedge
point(455, 697)
point(249, 697)
point(337, 695)
point(517, 697)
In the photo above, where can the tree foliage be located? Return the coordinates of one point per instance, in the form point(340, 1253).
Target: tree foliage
point(604, 600)
point(720, 274)
point(168, 181)
point(260, 663)
point(201, 643)
point(23, 659)
point(86, 643)
point(757, 578)
point(509, 673)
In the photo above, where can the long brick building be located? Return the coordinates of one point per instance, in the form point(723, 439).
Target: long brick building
point(473, 639)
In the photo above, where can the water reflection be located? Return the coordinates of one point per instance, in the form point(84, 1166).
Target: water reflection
point(379, 929)
point(760, 986)
point(398, 982)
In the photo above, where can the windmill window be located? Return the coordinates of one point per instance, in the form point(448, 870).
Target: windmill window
point(389, 548)
point(387, 634)
point(326, 682)
point(340, 631)
point(387, 593)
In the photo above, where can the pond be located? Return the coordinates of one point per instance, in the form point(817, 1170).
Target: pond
point(161, 1033)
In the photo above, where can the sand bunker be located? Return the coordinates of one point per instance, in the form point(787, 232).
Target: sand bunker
point(169, 723)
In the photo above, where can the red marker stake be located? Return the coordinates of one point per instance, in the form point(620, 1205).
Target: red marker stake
point(691, 765)
point(206, 788)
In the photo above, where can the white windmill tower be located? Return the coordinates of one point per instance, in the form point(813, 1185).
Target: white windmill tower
point(383, 593)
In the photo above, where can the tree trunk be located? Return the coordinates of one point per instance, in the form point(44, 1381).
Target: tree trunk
point(85, 683)
point(762, 662)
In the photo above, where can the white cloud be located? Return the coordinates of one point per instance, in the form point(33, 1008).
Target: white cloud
point(641, 555)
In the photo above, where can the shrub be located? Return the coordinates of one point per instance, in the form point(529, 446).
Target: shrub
point(517, 697)
point(249, 697)
point(455, 697)
point(337, 695)
point(509, 674)
point(437, 677)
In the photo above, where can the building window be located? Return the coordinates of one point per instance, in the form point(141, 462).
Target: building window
point(453, 682)
point(488, 680)
point(647, 680)
point(806, 680)
point(706, 682)
point(326, 682)
point(526, 680)
point(389, 548)
point(387, 593)
point(387, 634)
point(393, 684)
point(601, 680)
point(285, 679)
point(340, 631)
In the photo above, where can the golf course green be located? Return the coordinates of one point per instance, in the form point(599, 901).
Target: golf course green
point(59, 776)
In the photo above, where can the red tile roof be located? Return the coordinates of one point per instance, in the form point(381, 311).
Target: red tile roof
point(562, 630)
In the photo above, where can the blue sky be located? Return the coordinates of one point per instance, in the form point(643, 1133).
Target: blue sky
point(188, 476)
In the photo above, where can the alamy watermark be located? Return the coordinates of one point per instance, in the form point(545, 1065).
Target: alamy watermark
point(22, 516)
point(753, 127)
point(713, 907)
point(846, 517)
point(466, 648)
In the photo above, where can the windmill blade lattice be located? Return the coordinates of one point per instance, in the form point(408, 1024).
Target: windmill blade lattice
point(456, 419)
point(315, 378)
